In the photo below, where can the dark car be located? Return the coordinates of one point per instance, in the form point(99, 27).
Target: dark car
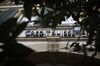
point(32, 34)
point(53, 32)
point(73, 33)
point(65, 34)
point(37, 33)
point(69, 33)
point(28, 33)
point(41, 34)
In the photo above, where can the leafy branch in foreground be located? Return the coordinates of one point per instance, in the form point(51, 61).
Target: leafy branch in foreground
point(85, 12)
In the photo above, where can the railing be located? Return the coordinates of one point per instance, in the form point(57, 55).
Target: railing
point(45, 39)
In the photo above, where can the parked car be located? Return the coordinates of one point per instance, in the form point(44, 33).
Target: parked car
point(41, 34)
point(69, 33)
point(58, 33)
point(65, 33)
point(37, 34)
point(77, 30)
point(32, 34)
point(73, 33)
point(53, 32)
point(28, 33)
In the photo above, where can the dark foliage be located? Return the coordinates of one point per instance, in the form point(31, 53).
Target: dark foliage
point(1, 1)
point(16, 2)
point(9, 30)
point(28, 8)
